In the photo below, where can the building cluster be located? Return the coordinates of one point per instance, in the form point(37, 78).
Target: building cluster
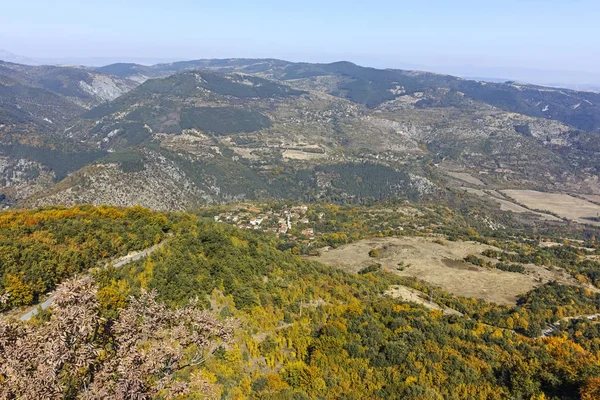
point(288, 221)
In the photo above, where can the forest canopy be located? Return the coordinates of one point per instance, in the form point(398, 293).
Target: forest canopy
point(285, 327)
point(41, 248)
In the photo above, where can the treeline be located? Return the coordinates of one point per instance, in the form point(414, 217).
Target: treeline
point(563, 255)
point(473, 259)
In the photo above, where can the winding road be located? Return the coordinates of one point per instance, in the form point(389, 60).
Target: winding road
point(119, 262)
point(551, 328)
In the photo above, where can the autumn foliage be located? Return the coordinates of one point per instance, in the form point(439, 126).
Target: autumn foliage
point(302, 330)
point(79, 354)
point(41, 248)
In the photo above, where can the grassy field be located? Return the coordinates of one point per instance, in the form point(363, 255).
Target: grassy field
point(302, 155)
point(564, 205)
point(506, 205)
point(466, 177)
point(441, 265)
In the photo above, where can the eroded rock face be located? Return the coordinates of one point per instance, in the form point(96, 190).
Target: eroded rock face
point(106, 88)
point(160, 185)
point(21, 178)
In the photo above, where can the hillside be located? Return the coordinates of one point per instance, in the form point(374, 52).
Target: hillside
point(372, 87)
point(223, 312)
point(227, 137)
point(49, 95)
point(36, 104)
point(236, 136)
point(213, 131)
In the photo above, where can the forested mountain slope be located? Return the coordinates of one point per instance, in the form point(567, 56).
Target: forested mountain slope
point(231, 136)
point(37, 103)
point(47, 95)
point(371, 86)
point(274, 325)
point(213, 131)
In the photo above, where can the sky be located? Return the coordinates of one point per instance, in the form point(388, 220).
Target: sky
point(475, 36)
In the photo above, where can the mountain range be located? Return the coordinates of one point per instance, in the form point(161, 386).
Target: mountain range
point(177, 135)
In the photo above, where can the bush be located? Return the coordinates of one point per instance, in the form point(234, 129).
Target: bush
point(510, 267)
point(402, 266)
point(472, 259)
point(370, 269)
point(491, 253)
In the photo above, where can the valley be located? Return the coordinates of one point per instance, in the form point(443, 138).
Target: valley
point(312, 201)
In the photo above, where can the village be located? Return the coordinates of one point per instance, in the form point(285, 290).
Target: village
point(292, 222)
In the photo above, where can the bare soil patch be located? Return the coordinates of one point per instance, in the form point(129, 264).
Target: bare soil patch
point(302, 155)
point(248, 153)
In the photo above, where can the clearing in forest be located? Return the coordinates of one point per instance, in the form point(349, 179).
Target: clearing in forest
point(441, 265)
point(302, 155)
point(415, 296)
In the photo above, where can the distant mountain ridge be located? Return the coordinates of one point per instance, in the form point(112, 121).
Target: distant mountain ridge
point(55, 95)
point(573, 80)
point(372, 86)
point(15, 58)
point(211, 131)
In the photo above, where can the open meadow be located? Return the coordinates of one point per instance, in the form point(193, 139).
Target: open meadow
point(564, 205)
point(442, 265)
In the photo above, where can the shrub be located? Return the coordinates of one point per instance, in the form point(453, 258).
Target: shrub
point(370, 269)
point(510, 267)
point(472, 259)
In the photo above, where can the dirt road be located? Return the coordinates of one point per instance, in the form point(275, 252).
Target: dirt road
point(119, 262)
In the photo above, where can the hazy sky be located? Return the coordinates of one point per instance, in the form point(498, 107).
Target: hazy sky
point(550, 34)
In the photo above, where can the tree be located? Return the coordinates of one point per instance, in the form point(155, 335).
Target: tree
point(18, 293)
point(590, 389)
point(374, 253)
point(69, 356)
